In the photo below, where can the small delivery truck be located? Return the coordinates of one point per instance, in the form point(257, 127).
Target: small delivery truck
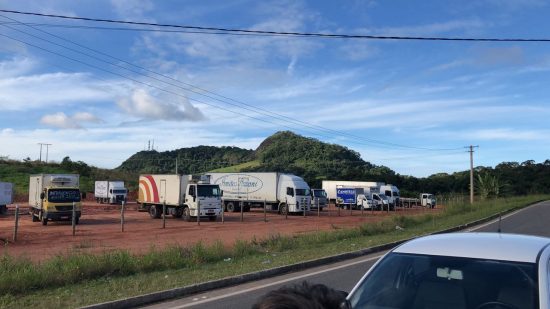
point(6, 196)
point(53, 196)
point(111, 192)
point(180, 195)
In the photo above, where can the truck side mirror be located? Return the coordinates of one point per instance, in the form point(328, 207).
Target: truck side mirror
point(42, 195)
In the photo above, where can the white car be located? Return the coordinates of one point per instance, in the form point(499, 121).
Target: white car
point(459, 270)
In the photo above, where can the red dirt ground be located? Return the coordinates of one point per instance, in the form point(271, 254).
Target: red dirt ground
point(100, 230)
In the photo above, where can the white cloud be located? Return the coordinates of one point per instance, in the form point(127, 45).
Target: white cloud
point(16, 66)
point(505, 134)
point(142, 104)
point(62, 121)
point(432, 29)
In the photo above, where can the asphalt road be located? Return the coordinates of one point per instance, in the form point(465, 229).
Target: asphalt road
point(344, 275)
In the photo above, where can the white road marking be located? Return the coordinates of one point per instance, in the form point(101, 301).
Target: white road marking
point(496, 220)
point(276, 282)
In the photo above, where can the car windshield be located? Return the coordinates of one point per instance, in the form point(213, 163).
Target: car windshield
point(319, 193)
point(421, 281)
point(209, 190)
point(302, 191)
point(63, 195)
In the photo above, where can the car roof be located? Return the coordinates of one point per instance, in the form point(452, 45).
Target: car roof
point(493, 246)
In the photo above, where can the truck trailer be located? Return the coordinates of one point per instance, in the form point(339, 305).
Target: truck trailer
point(112, 192)
point(330, 185)
point(181, 194)
point(6, 196)
point(354, 198)
point(285, 193)
point(53, 196)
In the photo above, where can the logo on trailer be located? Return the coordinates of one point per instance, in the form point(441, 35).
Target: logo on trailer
point(239, 184)
point(148, 191)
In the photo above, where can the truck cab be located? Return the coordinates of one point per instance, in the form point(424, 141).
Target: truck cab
point(427, 200)
point(295, 193)
point(318, 198)
point(205, 198)
point(381, 201)
point(392, 192)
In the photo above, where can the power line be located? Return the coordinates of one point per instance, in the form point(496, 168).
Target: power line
point(285, 33)
point(215, 96)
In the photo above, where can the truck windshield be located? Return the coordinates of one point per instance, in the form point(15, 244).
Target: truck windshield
point(119, 191)
point(319, 193)
point(63, 195)
point(302, 191)
point(209, 190)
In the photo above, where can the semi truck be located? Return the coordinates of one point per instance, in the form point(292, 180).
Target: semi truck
point(285, 193)
point(52, 197)
point(111, 192)
point(182, 195)
point(330, 185)
point(318, 199)
point(6, 196)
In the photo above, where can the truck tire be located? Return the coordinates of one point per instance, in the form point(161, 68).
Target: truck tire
point(154, 211)
point(212, 218)
point(76, 220)
point(178, 212)
point(187, 214)
point(231, 207)
point(34, 216)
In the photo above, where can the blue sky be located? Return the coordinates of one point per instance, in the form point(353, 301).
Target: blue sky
point(384, 99)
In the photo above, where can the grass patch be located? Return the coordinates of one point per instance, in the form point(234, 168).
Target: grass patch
point(59, 282)
point(237, 168)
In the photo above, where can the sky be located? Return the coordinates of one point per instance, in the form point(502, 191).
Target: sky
point(99, 92)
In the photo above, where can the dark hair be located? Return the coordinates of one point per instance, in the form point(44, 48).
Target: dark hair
point(302, 296)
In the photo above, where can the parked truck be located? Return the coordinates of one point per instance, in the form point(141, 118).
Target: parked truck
point(330, 186)
point(392, 192)
point(281, 192)
point(53, 196)
point(318, 199)
point(427, 200)
point(354, 198)
point(182, 195)
point(111, 192)
point(6, 196)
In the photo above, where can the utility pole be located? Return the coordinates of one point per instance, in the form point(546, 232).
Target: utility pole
point(43, 144)
point(471, 151)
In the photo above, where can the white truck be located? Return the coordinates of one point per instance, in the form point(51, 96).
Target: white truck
point(330, 185)
point(285, 193)
point(111, 192)
point(392, 192)
point(6, 196)
point(354, 198)
point(318, 199)
point(52, 196)
point(427, 200)
point(183, 196)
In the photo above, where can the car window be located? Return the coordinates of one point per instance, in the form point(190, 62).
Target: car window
point(420, 281)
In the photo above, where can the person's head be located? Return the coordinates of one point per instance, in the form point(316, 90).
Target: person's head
point(302, 296)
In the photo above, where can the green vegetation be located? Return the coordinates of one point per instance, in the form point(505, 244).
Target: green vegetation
point(238, 167)
point(79, 279)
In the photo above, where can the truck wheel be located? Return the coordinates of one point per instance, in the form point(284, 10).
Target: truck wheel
point(246, 208)
point(34, 217)
point(178, 212)
point(231, 207)
point(154, 211)
point(187, 214)
point(212, 218)
point(283, 209)
point(76, 220)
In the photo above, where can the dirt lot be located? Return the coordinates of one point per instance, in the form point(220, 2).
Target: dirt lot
point(100, 230)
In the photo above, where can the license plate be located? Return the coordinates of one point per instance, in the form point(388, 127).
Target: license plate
point(210, 211)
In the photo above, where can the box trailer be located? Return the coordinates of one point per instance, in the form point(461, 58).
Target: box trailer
point(281, 192)
point(6, 196)
point(182, 195)
point(53, 196)
point(330, 186)
point(112, 192)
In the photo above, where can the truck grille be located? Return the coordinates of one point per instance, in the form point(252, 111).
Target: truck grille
point(64, 208)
